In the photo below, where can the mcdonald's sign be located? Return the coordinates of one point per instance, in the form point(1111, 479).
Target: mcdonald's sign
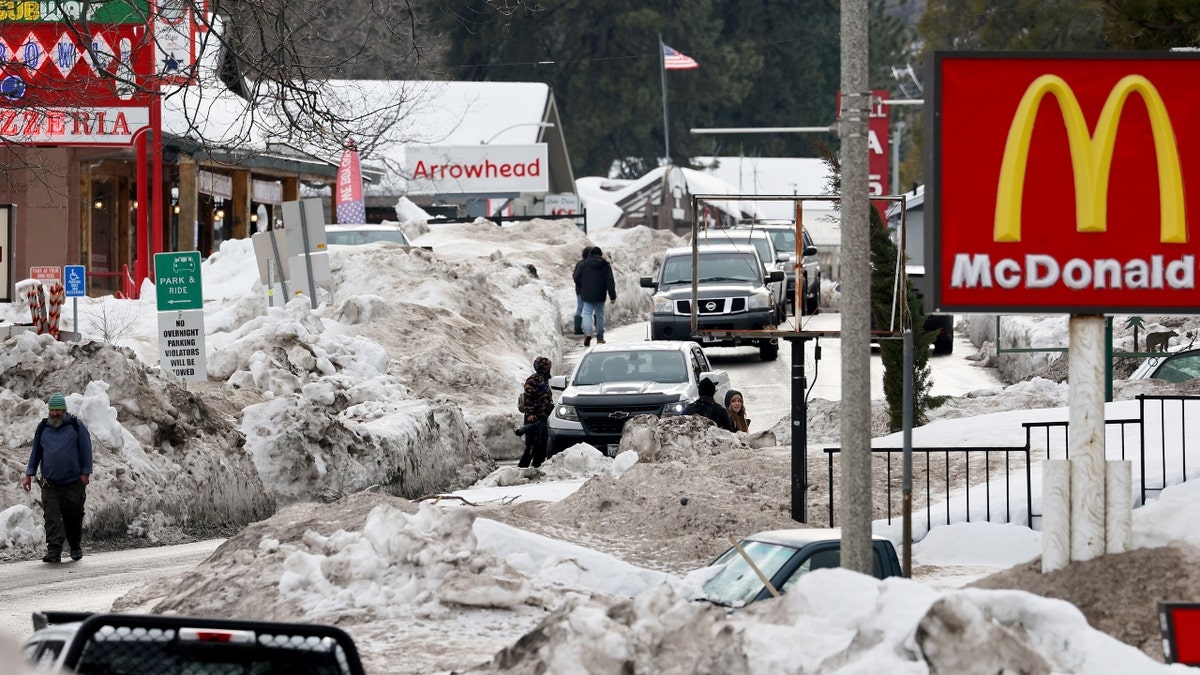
point(1063, 183)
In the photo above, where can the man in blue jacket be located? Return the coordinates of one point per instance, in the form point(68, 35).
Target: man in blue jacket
point(63, 450)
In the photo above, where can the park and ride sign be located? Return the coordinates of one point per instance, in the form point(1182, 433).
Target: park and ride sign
point(180, 315)
point(1063, 183)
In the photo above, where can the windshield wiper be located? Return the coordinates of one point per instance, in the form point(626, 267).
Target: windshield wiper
point(704, 279)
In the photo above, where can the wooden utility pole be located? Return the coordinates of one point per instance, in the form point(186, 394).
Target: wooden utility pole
point(856, 501)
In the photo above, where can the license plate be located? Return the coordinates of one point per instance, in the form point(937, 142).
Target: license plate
point(709, 338)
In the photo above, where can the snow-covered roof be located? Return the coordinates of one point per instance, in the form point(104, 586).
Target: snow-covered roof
point(770, 176)
point(398, 112)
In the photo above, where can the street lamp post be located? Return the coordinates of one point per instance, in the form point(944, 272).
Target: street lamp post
point(540, 125)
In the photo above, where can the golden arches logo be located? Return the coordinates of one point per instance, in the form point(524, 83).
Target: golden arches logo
point(1091, 158)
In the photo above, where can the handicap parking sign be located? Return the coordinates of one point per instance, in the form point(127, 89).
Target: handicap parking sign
point(75, 281)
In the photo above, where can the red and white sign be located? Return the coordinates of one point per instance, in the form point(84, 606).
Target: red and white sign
point(176, 35)
point(73, 126)
point(879, 133)
point(57, 65)
point(1063, 183)
point(475, 169)
point(47, 274)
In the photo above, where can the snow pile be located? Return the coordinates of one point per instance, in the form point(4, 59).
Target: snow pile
point(371, 564)
point(19, 526)
point(403, 382)
point(165, 461)
point(831, 621)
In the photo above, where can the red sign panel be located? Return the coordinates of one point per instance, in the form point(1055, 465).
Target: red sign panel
point(1064, 183)
point(59, 65)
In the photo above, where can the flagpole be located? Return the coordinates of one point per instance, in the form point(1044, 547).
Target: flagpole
point(662, 70)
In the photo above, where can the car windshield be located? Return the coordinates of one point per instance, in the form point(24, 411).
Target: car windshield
point(736, 583)
point(785, 240)
point(634, 365)
point(764, 247)
point(1179, 367)
point(360, 237)
point(713, 267)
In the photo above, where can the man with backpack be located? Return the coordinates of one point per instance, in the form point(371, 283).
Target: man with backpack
point(62, 448)
point(538, 404)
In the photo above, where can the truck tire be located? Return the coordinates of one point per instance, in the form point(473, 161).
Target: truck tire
point(768, 350)
point(944, 343)
point(811, 305)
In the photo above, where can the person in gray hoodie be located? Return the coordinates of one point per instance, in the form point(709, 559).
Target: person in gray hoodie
point(62, 449)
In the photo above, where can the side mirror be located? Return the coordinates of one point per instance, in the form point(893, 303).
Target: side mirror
point(776, 275)
point(648, 282)
point(810, 250)
point(558, 382)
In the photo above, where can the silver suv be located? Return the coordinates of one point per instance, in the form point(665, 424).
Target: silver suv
point(783, 233)
point(772, 259)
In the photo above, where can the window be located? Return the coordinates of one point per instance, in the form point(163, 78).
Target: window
point(1179, 367)
point(737, 584)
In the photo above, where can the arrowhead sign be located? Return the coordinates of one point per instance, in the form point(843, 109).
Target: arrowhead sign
point(177, 281)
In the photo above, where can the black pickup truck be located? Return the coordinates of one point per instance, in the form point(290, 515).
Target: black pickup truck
point(732, 294)
point(131, 643)
point(783, 556)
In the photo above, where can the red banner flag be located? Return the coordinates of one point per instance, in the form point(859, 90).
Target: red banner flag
point(349, 193)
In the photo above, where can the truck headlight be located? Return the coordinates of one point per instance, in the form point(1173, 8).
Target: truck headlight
point(676, 408)
point(663, 304)
point(759, 300)
point(567, 412)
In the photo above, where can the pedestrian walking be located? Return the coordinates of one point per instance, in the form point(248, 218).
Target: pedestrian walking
point(706, 406)
point(594, 279)
point(737, 410)
point(539, 403)
point(62, 450)
point(578, 295)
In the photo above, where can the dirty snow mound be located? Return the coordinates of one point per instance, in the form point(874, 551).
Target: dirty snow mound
point(1117, 593)
point(166, 464)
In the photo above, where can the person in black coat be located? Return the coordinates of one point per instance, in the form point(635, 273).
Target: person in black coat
point(578, 297)
point(594, 280)
point(707, 406)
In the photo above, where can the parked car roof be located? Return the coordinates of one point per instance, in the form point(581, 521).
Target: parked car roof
point(350, 234)
point(643, 345)
point(800, 536)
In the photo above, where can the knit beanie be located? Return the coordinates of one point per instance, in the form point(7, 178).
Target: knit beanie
point(57, 402)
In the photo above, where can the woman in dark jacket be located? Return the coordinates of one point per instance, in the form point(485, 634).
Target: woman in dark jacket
point(737, 410)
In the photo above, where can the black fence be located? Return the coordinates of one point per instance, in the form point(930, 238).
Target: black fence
point(995, 483)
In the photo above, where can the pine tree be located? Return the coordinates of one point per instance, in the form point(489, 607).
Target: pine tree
point(909, 314)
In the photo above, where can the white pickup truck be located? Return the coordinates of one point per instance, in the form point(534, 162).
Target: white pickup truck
point(614, 382)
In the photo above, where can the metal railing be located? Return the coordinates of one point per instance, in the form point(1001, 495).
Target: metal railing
point(952, 474)
point(942, 478)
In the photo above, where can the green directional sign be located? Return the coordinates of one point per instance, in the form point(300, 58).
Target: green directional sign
point(178, 281)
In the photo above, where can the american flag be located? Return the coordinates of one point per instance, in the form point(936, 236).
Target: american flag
point(673, 60)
